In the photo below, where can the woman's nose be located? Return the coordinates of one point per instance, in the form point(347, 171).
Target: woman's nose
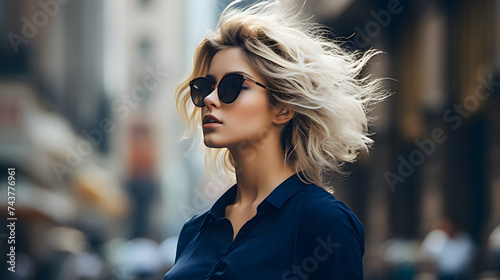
point(212, 99)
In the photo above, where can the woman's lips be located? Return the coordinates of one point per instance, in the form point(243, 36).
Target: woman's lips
point(211, 125)
point(210, 121)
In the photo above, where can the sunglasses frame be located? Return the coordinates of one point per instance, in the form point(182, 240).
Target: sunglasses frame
point(213, 85)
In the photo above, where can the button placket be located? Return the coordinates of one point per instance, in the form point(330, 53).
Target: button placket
point(242, 233)
point(250, 224)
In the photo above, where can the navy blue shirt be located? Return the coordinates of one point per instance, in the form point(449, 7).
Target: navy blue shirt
point(300, 232)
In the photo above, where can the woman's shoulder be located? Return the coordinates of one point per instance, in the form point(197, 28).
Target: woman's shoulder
point(189, 229)
point(193, 224)
point(197, 219)
point(323, 210)
point(314, 197)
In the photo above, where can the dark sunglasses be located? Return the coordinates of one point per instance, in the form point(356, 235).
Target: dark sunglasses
point(228, 88)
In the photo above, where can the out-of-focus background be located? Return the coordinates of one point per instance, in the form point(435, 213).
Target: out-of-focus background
point(103, 185)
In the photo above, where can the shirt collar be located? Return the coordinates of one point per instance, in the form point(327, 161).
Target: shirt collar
point(288, 188)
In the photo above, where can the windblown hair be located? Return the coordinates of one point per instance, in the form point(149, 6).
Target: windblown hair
point(304, 70)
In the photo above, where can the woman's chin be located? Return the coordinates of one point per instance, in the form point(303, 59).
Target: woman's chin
point(212, 144)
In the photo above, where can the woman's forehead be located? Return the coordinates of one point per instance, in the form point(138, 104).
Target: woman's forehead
point(230, 60)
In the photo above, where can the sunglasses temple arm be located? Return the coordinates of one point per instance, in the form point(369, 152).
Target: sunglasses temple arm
point(257, 83)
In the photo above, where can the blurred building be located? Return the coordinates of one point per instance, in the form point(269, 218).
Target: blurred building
point(437, 143)
point(89, 122)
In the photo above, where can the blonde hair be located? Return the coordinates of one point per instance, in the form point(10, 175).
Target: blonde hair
point(304, 70)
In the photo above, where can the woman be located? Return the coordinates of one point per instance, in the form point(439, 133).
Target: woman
point(279, 104)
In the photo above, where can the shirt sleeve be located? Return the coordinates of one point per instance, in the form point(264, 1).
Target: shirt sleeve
point(335, 244)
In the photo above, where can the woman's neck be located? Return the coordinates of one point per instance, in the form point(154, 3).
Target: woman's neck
point(259, 170)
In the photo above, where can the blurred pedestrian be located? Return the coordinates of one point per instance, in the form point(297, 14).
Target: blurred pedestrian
point(448, 251)
point(494, 247)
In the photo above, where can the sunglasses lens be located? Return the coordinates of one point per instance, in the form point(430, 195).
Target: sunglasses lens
point(200, 88)
point(230, 87)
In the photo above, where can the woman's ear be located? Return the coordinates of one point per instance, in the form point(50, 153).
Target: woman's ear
point(284, 115)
